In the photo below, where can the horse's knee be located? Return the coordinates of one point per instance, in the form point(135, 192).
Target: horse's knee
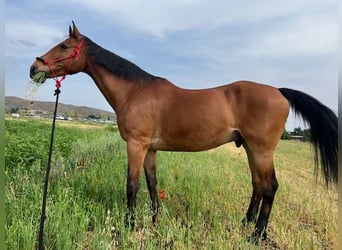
point(132, 189)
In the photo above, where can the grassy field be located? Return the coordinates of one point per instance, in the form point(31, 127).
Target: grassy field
point(206, 195)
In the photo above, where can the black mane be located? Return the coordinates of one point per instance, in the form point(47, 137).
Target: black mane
point(116, 64)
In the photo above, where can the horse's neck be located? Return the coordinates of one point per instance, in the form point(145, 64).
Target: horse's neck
point(115, 89)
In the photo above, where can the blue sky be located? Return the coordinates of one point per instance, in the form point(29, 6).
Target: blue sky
point(193, 43)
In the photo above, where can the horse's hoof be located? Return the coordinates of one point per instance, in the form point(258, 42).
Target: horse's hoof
point(256, 236)
point(129, 222)
point(154, 220)
point(246, 221)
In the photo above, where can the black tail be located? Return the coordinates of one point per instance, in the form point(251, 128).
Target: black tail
point(324, 125)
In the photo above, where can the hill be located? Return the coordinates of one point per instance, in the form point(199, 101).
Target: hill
point(27, 107)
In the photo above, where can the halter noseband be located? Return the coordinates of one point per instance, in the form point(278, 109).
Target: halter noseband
point(75, 54)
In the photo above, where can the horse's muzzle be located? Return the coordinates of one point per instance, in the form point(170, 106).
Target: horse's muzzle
point(32, 71)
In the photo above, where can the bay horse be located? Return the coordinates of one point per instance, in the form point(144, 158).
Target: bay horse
point(154, 114)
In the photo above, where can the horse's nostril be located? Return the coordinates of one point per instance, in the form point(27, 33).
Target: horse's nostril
point(32, 71)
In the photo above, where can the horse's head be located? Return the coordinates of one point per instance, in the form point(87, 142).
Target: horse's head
point(65, 58)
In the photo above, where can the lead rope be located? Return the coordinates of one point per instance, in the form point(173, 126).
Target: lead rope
point(75, 54)
point(43, 216)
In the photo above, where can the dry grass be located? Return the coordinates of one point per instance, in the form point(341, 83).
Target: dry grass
point(305, 211)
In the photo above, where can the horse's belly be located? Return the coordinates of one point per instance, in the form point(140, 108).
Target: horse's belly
point(191, 142)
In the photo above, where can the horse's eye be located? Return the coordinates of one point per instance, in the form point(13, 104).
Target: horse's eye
point(63, 46)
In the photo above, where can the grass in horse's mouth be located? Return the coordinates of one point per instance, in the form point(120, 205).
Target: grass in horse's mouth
point(33, 85)
point(38, 78)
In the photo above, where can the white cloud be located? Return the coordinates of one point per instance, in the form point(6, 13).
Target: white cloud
point(283, 29)
point(162, 17)
point(306, 36)
point(29, 37)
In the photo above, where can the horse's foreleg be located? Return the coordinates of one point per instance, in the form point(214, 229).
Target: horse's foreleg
point(151, 179)
point(136, 154)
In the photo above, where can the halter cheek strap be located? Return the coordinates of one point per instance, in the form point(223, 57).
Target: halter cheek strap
point(75, 54)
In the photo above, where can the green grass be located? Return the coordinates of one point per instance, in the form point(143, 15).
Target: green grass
point(34, 84)
point(207, 195)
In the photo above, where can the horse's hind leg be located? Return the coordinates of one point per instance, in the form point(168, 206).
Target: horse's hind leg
point(264, 188)
point(269, 188)
point(151, 179)
point(253, 207)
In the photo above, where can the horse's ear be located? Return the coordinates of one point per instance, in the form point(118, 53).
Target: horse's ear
point(73, 32)
point(70, 32)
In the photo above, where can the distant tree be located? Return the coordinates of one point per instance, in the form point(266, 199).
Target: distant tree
point(297, 131)
point(92, 117)
point(286, 135)
point(306, 133)
point(14, 110)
